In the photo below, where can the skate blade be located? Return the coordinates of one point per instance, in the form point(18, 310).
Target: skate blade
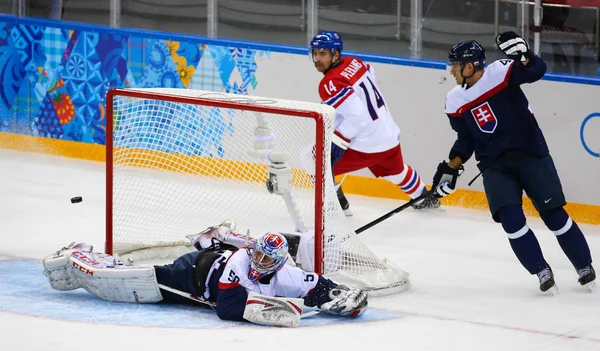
point(591, 286)
point(431, 209)
point(551, 291)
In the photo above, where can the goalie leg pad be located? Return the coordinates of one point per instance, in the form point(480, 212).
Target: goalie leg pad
point(101, 275)
point(276, 311)
point(57, 269)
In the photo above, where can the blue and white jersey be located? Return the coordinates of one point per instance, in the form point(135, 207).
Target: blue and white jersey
point(289, 281)
point(493, 115)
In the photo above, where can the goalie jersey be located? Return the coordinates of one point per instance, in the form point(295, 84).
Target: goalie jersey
point(289, 281)
point(363, 119)
point(493, 116)
point(233, 285)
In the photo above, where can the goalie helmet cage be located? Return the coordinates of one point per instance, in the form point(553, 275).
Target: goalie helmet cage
point(181, 160)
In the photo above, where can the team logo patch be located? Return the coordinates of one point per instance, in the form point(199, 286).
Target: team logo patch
point(273, 241)
point(253, 274)
point(485, 118)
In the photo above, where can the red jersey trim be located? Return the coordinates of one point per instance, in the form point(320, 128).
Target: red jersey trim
point(341, 101)
point(266, 304)
point(341, 136)
point(225, 286)
point(232, 285)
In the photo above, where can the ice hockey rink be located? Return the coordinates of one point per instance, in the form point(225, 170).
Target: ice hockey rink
point(468, 290)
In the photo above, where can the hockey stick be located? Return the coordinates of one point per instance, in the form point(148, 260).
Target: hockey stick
point(187, 295)
point(425, 194)
point(213, 305)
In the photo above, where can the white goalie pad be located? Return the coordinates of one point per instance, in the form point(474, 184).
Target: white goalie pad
point(276, 311)
point(102, 275)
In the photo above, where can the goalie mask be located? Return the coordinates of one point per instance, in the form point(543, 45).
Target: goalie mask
point(269, 255)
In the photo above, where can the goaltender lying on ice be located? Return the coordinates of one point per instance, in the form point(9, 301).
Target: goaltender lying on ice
point(241, 278)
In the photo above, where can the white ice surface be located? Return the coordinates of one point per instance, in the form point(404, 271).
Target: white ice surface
point(468, 291)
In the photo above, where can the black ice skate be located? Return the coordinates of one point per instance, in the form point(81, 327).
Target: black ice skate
point(587, 277)
point(547, 284)
point(430, 202)
point(344, 202)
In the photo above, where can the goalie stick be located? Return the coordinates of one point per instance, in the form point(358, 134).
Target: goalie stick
point(187, 295)
point(425, 194)
point(306, 311)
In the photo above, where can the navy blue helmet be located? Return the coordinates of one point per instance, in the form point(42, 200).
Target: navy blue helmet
point(467, 51)
point(327, 40)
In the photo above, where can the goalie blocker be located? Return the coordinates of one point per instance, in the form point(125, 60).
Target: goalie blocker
point(219, 275)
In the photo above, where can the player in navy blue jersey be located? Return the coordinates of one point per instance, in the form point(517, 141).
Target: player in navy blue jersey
point(493, 119)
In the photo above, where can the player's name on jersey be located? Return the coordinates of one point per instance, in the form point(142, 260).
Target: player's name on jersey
point(351, 69)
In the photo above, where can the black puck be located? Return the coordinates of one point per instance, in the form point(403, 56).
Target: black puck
point(76, 199)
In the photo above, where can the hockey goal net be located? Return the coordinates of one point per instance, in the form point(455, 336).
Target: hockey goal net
point(180, 160)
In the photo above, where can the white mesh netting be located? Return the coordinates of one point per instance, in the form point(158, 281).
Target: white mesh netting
point(178, 168)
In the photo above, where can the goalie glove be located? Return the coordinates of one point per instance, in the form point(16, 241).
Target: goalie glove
point(346, 302)
point(221, 232)
point(513, 46)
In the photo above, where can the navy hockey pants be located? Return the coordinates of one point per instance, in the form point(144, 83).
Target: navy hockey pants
point(505, 180)
point(178, 275)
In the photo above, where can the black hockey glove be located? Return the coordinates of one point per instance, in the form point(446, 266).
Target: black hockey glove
point(444, 180)
point(513, 46)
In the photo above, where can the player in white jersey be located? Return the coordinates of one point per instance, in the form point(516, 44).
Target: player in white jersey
point(366, 135)
point(247, 281)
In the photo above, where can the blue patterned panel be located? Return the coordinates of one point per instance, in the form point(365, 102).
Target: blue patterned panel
point(166, 127)
point(160, 70)
point(54, 43)
point(191, 52)
point(46, 123)
point(54, 80)
point(109, 52)
point(12, 74)
point(135, 57)
point(225, 63)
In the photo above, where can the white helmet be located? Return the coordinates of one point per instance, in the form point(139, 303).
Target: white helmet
point(269, 255)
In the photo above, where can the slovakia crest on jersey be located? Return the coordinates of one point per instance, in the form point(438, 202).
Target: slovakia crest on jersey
point(485, 118)
point(253, 275)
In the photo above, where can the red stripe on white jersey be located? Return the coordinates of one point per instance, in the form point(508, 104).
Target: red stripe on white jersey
point(341, 100)
point(341, 136)
point(225, 286)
